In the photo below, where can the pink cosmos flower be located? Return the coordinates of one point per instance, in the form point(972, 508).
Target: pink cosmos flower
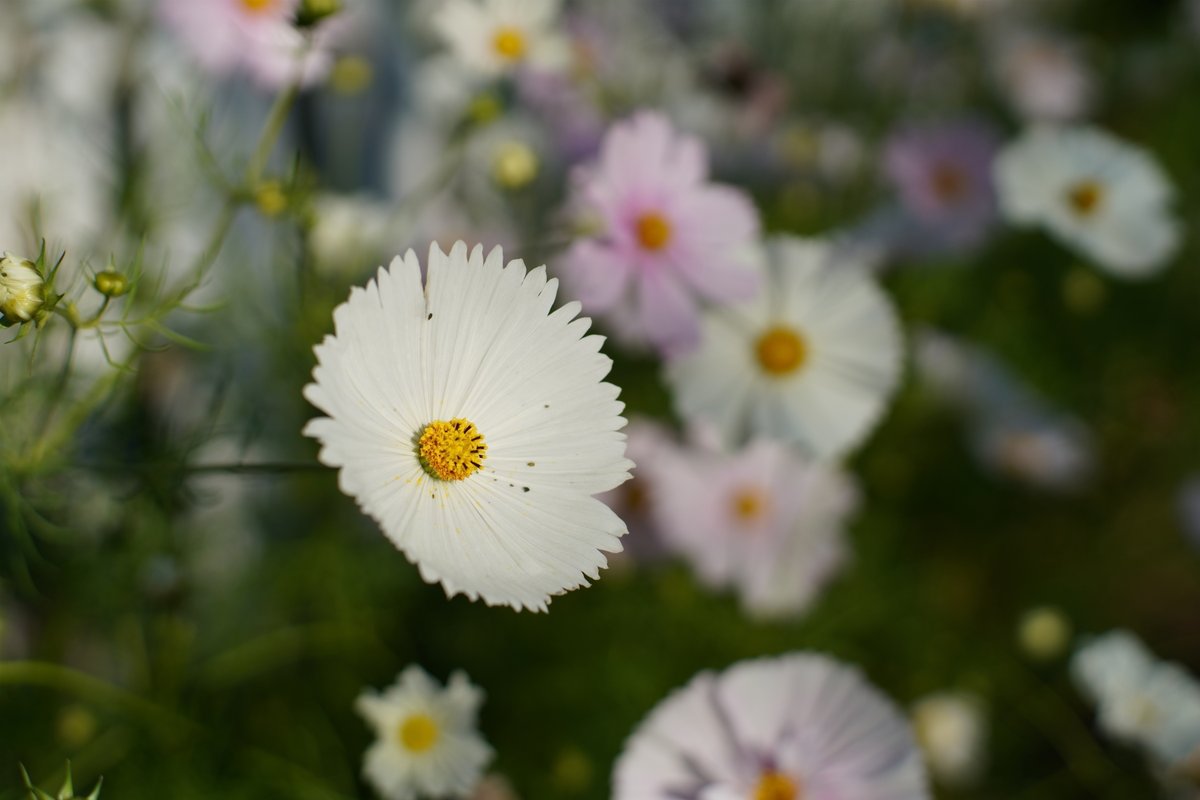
point(645, 442)
point(764, 520)
point(943, 173)
point(254, 36)
point(669, 237)
point(797, 727)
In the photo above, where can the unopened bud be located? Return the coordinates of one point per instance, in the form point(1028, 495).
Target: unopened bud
point(270, 199)
point(313, 11)
point(514, 165)
point(110, 283)
point(1044, 633)
point(22, 289)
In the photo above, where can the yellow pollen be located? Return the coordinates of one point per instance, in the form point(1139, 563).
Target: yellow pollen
point(749, 505)
point(451, 450)
point(258, 5)
point(418, 733)
point(653, 231)
point(776, 786)
point(509, 43)
point(781, 350)
point(1085, 197)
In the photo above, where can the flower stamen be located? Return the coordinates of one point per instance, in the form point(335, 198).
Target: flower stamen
point(509, 43)
point(418, 733)
point(781, 350)
point(653, 231)
point(776, 786)
point(1085, 197)
point(451, 450)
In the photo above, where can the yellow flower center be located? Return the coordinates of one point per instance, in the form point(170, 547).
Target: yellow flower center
point(749, 505)
point(781, 350)
point(509, 43)
point(418, 733)
point(653, 231)
point(1085, 197)
point(776, 786)
point(451, 450)
point(258, 6)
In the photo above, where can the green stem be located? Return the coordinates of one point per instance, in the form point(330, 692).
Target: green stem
point(80, 684)
point(270, 134)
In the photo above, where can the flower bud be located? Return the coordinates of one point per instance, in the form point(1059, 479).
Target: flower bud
point(110, 283)
point(514, 165)
point(271, 199)
point(1044, 633)
point(311, 12)
point(22, 289)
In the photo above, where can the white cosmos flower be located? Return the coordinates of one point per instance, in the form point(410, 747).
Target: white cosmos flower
point(795, 727)
point(951, 728)
point(1140, 700)
point(813, 360)
point(1093, 192)
point(472, 424)
point(494, 37)
point(427, 744)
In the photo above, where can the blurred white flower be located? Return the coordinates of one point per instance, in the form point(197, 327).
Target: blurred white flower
point(1140, 700)
point(22, 289)
point(951, 729)
point(1044, 77)
point(428, 743)
point(474, 426)
point(763, 520)
point(350, 232)
point(813, 360)
point(494, 37)
point(1108, 199)
point(786, 728)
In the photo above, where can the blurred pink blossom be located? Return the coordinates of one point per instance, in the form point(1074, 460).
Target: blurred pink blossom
point(668, 237)
point(764, 521)
point(943, 173)
point(257, 37)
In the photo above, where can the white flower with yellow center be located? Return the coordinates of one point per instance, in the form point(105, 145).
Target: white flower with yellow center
point(472, 424)
point(427, 744)
point(496, 37)
point(813, 360)
point(1093, 192)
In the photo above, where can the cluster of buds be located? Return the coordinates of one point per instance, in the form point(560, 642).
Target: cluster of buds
point(22, 290)
point(67, 792)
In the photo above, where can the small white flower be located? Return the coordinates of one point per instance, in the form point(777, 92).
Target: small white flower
point(951, 729)
point(427, 743)
point(813, 360)
point(1093, 192)
point(494, 37)
point(764, 520)
point(472, 424)
point(1140, 700)
point(794, 727)
point(21, 289)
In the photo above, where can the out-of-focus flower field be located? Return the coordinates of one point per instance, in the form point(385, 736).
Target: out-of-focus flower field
point(900, 496)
